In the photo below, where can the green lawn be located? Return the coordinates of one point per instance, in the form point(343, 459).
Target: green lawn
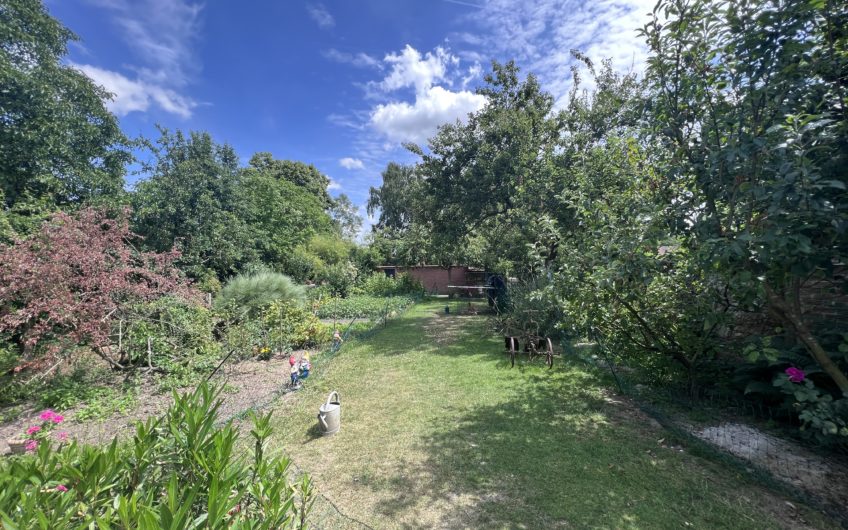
point(439, 432)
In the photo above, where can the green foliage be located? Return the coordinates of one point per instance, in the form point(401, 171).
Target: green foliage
point(339, 277)
point(58, 144)
point(362, 306)
point(346, 217)
point(192, 199)
point(245, 338)
point(281, 214)
point(824, 418)
point(752, 113)
point(306, 176)
point(172, 336)
point(392, 198)
point(301, 264)
point(329, 248)
point(249, 294)
point(179, 471)
point(531, 308)
point(221, 216)
point(378, 284)
point(293, 326)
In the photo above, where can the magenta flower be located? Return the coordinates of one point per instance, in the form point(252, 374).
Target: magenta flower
point(47, 415)
point(32, 430)
point(63, 436)
point(31, 445)
point(58, 418)
point(796, 375)
point(61, 488)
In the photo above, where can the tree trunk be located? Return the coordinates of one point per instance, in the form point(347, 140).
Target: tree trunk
point(790, 314)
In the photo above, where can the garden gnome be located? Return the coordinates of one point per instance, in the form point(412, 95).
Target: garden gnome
point(305, 366)
point(294, 370)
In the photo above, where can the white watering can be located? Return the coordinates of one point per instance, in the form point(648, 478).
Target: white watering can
point(330, 415)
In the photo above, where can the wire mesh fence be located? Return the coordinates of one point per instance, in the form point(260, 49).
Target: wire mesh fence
point(754, 438)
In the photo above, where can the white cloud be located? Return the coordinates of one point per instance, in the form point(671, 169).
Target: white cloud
point(131, 95)
point(321, 16)
point(351, 163)
point(410, 69)
point(360, 60)
point(540, 35)
point(474, 72)
point(161, 34)
point(434, 105)
point(333, 185)
point(416, 122)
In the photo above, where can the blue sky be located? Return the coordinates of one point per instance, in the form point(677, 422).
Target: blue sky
point(339, 84)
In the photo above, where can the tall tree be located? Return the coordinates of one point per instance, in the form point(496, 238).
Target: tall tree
point(304, 175)
point(281, 214)
point(346, 216)
point(493, 177)
point(193, 200)
point(395, 198)
point(752, 102)
point(59, 145)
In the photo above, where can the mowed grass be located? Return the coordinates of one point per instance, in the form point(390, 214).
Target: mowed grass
point(439, 432)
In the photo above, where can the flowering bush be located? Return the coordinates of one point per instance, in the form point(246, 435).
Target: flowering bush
point(796, 375)
point(823, 417)
point(37, 433)
point(181, 470)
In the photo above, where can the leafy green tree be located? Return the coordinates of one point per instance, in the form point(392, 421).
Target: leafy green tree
point(493, 177)
point(330, 248)
point(346, 217)
point(751, 102)
point(59, 145)
point(394, 199)
point(280, 214)
point(193, 200)
point(305, 175)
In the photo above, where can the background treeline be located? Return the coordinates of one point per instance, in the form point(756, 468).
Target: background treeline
point(693, 220)
point(93, 268)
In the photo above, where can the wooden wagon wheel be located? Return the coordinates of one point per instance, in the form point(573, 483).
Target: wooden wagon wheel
point(512, 345)
point(549, 356)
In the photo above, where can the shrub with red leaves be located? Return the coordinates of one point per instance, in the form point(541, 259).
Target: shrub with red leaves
point(60, 287)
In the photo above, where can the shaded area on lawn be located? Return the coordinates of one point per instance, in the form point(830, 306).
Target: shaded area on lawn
point(438, 431)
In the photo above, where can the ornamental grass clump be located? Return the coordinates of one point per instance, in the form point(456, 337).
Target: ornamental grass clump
point(181, 470)
point(248, 294)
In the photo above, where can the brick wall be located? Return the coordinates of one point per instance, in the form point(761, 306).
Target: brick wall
point(436, 279)
point(825, 309)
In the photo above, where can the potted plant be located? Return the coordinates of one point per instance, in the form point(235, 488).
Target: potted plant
point(17, 445)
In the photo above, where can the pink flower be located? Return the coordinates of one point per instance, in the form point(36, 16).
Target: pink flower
point(47, 415)
point(61, 488)
point(32, 430)
point(796, 375)
point(58, 418)
point(31, 445)
point(63, 436)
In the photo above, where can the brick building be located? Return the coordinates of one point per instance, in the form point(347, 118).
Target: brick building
point(436, 279)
